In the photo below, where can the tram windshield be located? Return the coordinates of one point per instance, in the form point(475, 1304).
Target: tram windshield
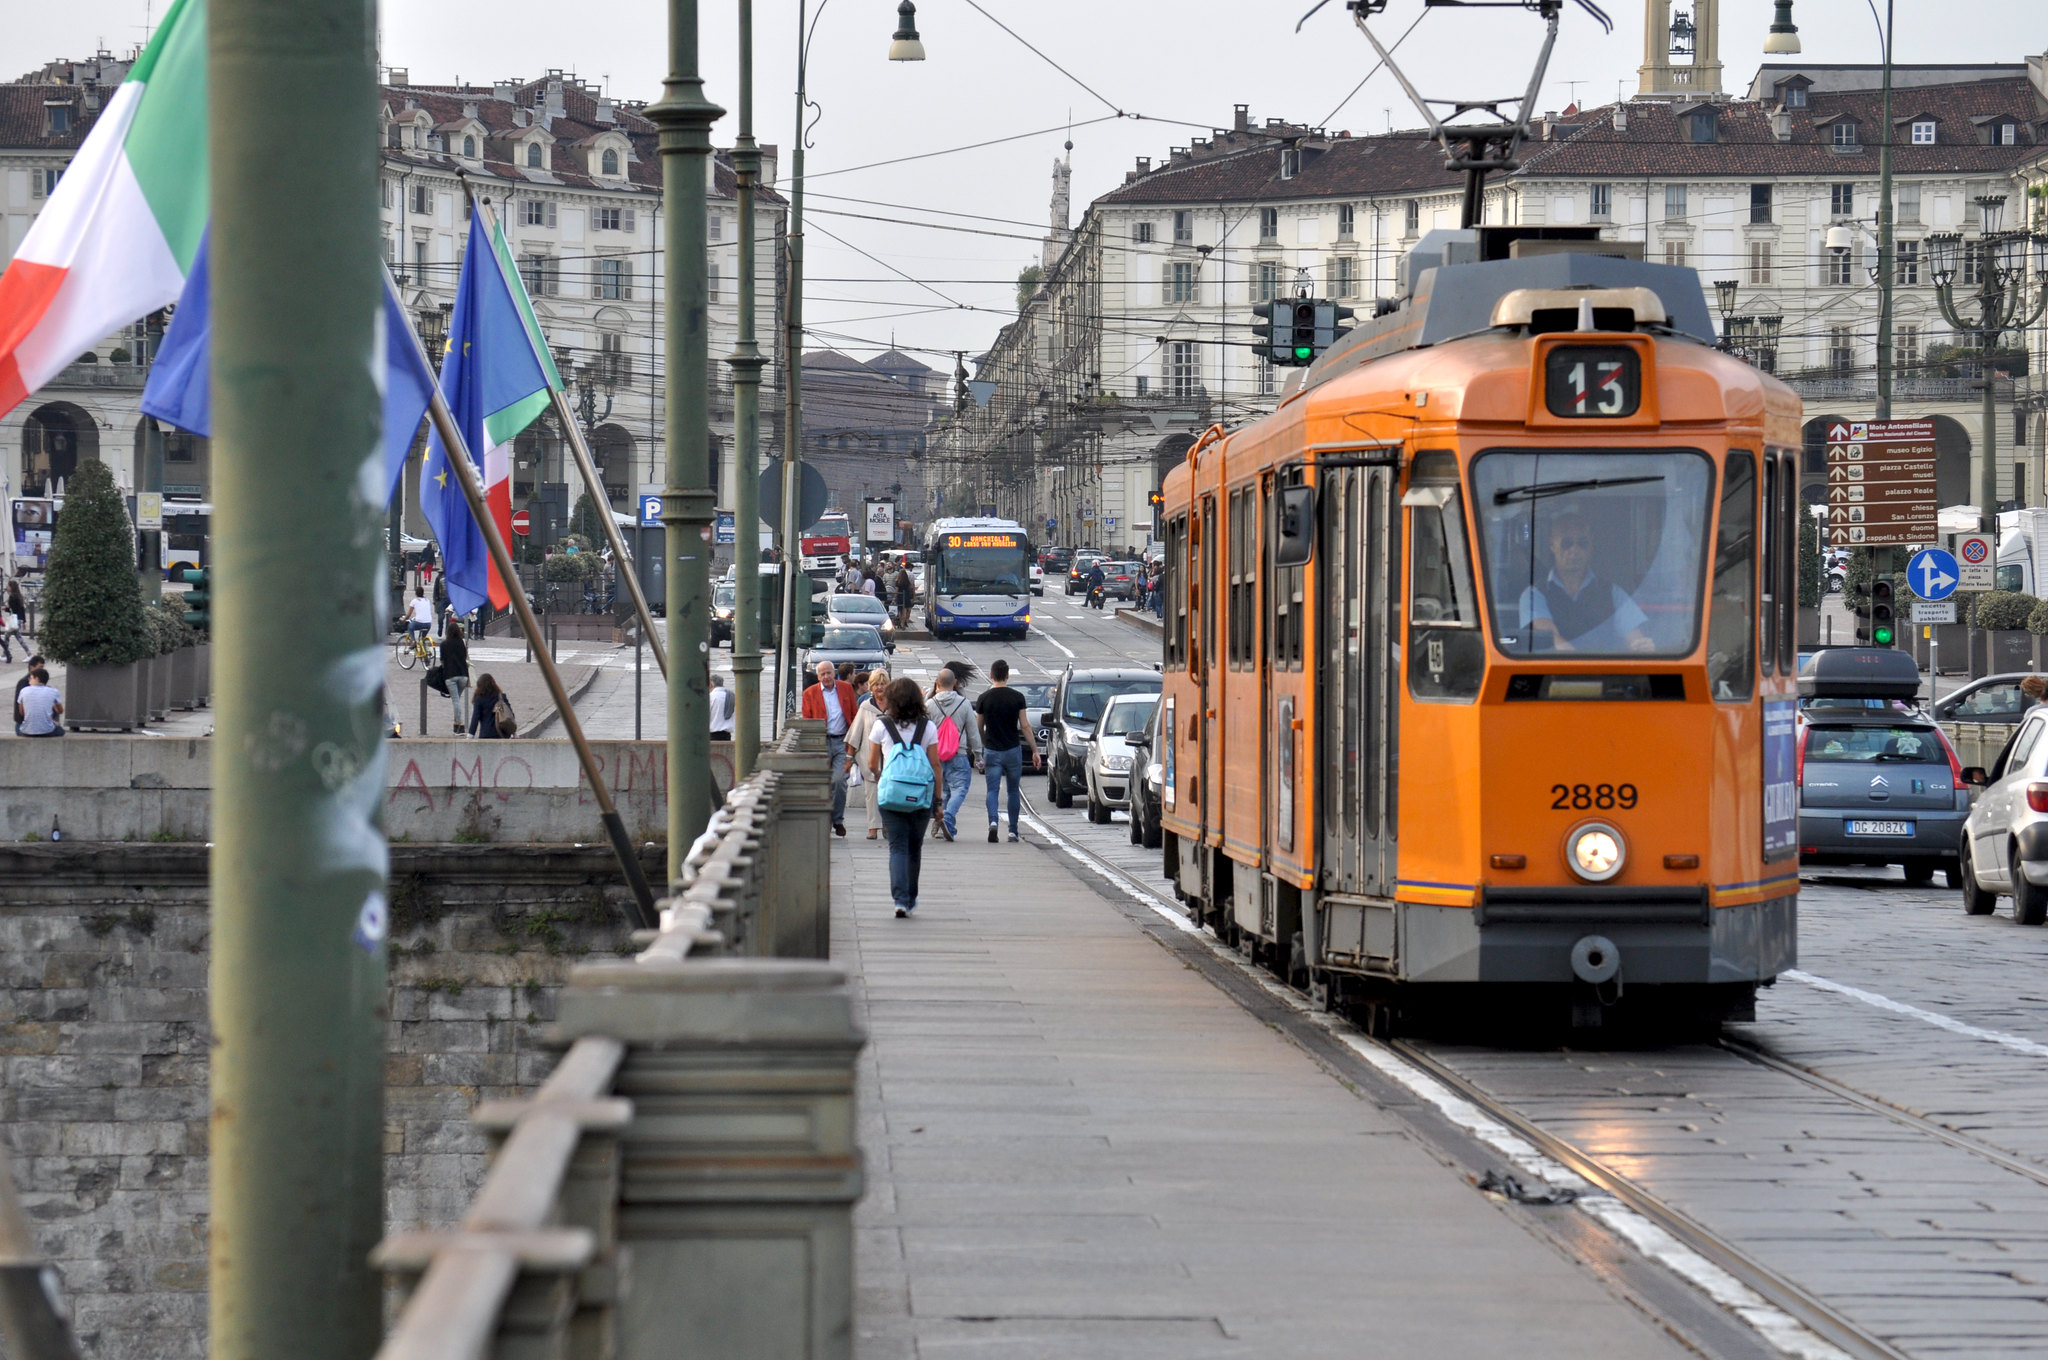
point(1593, 554)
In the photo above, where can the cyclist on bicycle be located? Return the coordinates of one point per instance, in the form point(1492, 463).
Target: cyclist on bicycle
point(419, 615)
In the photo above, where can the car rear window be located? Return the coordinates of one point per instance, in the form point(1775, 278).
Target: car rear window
point(852, 638)
point(1866, 745)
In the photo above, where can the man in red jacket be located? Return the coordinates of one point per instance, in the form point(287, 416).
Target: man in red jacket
point(832, 700)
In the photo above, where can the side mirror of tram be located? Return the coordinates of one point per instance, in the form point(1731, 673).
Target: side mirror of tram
point(1296, 528)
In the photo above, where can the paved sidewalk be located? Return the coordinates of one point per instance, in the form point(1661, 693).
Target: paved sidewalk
point(1078, 1147)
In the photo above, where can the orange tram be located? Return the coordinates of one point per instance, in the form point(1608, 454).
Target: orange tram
point(1480, 652)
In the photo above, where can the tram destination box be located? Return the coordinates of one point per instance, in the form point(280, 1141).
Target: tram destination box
point(1860, 673)
point(1881, 483)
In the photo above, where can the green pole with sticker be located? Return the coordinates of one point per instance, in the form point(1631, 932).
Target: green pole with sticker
point(299, 857)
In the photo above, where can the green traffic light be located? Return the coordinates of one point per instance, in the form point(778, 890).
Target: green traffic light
point(1881, 635)
point(1304, 352)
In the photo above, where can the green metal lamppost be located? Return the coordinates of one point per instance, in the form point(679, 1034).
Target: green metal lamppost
point(2000, 261)
point(684, 117)
point(746, 362)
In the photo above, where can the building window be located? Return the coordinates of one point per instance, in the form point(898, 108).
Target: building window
point(1841, 350)
point(1183, 370)
point(1841, 268)
point(1795, 97)
point(605, 219)
point(1347, 222)
point(1144, 386)
point(1674, 254)
point(1759, 263)
point(1602, 197)
point(716, 226)
point(419, 261)
point(1967, 273)
point(1262, 377)
point(1842, 200)
point(1184, 228)
point(608, 163)
point(1290, 161)
point(1845, 133)
point(1342, 276)
point(533, 155)
point(1413, 221)
point(59, 116)
point(1674, 203)
point(422, 200)
point(541, 275)
point(41, 183)
point(1269, 226)
point(1923, 132)
point(1141, 232)
point(1183, 284)
point(1908, 196)
point(534, 212)
point(614, 364)
point(1265, 281)
point(1703, 126)
point(1759, 205)
point(711, 282)
point(1906, 347)
point(1909, 262)
point(2005, 134)
point(613, 281)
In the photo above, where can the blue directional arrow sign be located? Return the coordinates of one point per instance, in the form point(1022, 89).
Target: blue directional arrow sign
point(1933, 574)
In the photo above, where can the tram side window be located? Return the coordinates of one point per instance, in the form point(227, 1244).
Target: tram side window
point(1204, 606)
point(1177, 593)
point(1788, 565)
point(1446, 657)
point(1244, 580)
point(1767, 571)
point(1731, 666)
point(1285, 625)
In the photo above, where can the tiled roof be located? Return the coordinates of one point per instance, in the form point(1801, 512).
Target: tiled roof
point(24, 124)
point(1654, 144)
point(1238, 169)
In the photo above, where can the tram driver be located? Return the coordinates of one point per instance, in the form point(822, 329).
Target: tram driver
point(1576, 609)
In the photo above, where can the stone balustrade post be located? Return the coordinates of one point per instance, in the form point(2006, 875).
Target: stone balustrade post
point(739, 1169)
point(797, 880)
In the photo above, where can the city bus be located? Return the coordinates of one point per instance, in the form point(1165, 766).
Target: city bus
point(33, 519)
point(977, 578)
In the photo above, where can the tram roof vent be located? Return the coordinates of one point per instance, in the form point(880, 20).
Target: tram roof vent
point(1860, 673)
point(1542, 310)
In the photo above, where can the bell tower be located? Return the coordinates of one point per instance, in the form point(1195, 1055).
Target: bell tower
point(1682, 50)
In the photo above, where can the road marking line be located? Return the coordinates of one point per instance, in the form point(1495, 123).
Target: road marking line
point(2014, 1042)
point(1779, 1328)
point(1057, 643)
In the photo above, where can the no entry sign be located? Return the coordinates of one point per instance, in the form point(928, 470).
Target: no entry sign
point(522, 523)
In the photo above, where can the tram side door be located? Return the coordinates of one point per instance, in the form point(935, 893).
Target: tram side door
point(1211, 791)
point(1358, 706)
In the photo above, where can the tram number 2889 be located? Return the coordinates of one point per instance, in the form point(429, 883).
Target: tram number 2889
point(1580, 797)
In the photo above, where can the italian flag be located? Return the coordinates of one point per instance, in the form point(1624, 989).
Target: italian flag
point(119, 232)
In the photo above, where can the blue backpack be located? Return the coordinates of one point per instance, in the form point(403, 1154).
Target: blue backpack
point(906, 774)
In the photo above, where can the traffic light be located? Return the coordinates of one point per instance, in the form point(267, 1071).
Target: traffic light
point(814, 627)
point(1328, 314)
point(1293, 331)
point(771, 608)
point(1263, 328)
point(1157, 500)
point(1883, 621)
point(1302, 332)
point(198, 600)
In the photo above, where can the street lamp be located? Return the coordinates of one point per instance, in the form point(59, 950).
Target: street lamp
point(906, 45)
point(1784, 35)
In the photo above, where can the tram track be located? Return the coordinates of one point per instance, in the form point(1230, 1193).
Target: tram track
point(1784, 1316)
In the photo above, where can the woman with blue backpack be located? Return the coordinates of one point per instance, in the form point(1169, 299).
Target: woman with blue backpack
point(903, 759)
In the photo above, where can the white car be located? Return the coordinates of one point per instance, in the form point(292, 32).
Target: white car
point(1108, 767)
point(1037, 579)
point(845, 608)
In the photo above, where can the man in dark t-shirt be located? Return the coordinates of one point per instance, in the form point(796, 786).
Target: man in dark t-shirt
point(1005, 737)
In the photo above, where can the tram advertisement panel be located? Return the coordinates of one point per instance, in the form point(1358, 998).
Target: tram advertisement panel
point(1781, 780)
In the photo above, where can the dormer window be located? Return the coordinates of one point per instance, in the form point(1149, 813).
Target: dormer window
point(468, 147)
point(533, 155)
point(1844, 134)
point(57, 117)
point(1290, 161)
point(1702, 125)
point(1923, 132)
point(1795, 97)
point(2004, 133)
point(609, 162)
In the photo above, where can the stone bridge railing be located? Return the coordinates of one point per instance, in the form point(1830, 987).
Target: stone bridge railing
point(683, 1184)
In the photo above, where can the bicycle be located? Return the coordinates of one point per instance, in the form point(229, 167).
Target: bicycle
point(413, 647)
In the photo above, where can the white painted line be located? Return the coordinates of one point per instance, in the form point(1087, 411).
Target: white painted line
point(1884, 1003)
point(1174, 915)
point(1077, 616)
point(1057, 643)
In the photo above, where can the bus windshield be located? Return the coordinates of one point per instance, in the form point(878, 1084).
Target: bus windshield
point(1593, 554)
point(990, 567)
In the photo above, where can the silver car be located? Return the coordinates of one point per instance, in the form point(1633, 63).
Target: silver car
point(1111, 755)
point(855, 642)
point(862, 609)
point(2005, 839)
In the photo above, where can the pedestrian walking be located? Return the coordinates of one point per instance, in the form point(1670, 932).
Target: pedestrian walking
point(904, 765)
point(38, 708)
point(442, 608)
point(455, 671)
point(832, 700)
point(904, 594)
point(958, 746)
point(871, 686)
point(1005, 737)
point(490, 713)
point(722, 707)
point(13, 619)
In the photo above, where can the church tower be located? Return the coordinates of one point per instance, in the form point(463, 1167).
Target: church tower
point(1681, 52)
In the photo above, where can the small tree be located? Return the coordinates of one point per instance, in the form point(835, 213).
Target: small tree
point(92, 605)
point(584, 521)
point(1810, 581)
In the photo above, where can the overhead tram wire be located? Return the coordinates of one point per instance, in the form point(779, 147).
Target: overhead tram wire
point(1110, 103)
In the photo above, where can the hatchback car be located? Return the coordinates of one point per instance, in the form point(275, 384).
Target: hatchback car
point(856, 642)
point(1148, 778)
point(1038, 712)
point(2005, 840)
point(1108, 769)
point(1078, 701)
point(1037, 579)
point(862, 609)
point(1120, 580)
point(1994, 699)
point(1078, 568)
point(1879, 785)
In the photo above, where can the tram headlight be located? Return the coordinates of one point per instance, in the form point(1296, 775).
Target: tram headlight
point(1595, 851)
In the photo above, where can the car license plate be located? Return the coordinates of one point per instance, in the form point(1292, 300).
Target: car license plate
point(1859, 828)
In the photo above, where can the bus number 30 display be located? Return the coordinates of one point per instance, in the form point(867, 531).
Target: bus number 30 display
point(1579, 797)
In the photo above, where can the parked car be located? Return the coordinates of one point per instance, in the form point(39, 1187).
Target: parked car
point(1078, 568)
point(1994, 699)
point(1037, 579)
point(856, 642)
point(1078, 701)
point(1122, 580)
point(1108, 769)
point(1055, 559)
point(1038, 712)
point(862, 609)
point(2005, 838)
point(1148, 779)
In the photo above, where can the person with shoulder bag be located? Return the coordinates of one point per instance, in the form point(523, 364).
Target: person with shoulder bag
point(958, 747)
point(905, 768)
point(870, 689)
point(491, 712)
point(454, 670)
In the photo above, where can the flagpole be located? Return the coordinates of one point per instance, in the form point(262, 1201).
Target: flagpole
point(586, 465)
point(457, 450)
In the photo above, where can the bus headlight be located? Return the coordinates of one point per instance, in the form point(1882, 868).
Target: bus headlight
point(1595, 851)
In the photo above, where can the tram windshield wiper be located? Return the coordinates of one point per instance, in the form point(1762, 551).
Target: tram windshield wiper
point(1543, 490)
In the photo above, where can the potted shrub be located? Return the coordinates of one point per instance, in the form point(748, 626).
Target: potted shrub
point(2001, 616)
point(93, 618)
point(174, 641)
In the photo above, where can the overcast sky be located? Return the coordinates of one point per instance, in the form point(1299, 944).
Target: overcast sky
point(1186, 60)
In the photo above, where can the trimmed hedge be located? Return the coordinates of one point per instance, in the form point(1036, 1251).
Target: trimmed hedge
point(2004, 610)
point(92, 600)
